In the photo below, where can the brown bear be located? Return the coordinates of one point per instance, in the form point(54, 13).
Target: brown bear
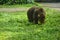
point(36, 14)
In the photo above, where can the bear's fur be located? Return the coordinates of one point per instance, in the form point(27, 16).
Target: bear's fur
point(36, 14)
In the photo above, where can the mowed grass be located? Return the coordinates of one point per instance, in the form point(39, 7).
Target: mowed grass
point(15, 26)
point(15, 6)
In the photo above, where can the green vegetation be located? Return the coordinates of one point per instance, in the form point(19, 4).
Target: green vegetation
point(11, 2)
point(20, 6)
point(15, 26)
point(15, 6)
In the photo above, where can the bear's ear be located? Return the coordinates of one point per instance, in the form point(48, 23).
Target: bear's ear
point(41, 9)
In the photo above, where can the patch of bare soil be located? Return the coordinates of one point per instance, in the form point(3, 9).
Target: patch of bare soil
point(12, 9)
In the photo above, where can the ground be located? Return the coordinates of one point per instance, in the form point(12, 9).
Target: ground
point(56, 6)
point(52, 5)
point(15, 26)
point(13, 9)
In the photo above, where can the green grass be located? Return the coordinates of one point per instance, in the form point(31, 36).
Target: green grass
point(14, 6)
point(19, 6)
point(15, 26)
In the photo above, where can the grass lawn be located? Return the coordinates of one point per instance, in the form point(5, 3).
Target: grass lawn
point(14, 6)
point(19, 6)
point(15, 26)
